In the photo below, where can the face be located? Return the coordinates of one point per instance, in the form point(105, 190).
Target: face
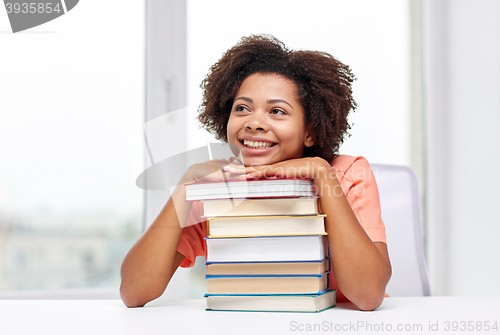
point(267, 120)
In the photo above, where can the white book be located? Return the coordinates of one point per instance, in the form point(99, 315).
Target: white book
point(266, 226)
point(267, 284)
point(255, 207)
point(272, 303)
point(260, 188)
point(267, 249)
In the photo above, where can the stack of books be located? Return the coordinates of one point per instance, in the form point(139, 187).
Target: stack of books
point(267, 246)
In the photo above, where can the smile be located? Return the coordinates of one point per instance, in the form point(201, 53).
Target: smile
point(257, 144)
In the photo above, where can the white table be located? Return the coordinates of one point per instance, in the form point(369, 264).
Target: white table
point(91, 317)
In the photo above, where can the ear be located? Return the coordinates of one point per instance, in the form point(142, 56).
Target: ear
point(308, 140)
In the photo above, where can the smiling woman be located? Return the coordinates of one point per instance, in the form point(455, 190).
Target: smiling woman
point(285, 112)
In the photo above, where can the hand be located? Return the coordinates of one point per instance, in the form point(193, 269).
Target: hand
point(211, 171)
point(309, 167)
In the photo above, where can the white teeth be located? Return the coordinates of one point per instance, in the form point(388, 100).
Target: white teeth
point(256, 144)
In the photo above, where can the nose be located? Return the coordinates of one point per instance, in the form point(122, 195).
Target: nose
point(256, 122)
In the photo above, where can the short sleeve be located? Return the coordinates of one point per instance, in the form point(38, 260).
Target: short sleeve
point(192, 243)
point(360, 188)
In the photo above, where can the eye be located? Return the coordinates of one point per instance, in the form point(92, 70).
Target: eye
point(241, 108)
point(278, 112)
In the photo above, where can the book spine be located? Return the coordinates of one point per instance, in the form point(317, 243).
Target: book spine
point(268, 276)
point(266, 294)
point(294, 261)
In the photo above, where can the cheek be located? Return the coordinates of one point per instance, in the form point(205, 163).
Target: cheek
point(295, 140)
point(234, 125)
point(292, 133)
point(230, 131)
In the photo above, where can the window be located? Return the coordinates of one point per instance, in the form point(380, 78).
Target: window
point(71, 111)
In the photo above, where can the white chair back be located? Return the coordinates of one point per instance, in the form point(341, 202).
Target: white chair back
point(400, 203)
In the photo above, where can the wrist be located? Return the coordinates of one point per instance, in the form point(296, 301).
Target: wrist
point(325, 178)
point(189, 176)
point(321, 168)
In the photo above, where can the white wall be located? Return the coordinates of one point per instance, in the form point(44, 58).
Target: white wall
point(463, 122)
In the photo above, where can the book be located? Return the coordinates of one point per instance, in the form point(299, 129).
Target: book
point(259, 207)
point(267, 284)
point(261, 233)
point(266, 226)
point(270, 268)
point(267, 249)
point(260, 188)
point(272, 303)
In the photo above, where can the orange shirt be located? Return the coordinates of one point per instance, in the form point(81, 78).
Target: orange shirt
point(358, 184)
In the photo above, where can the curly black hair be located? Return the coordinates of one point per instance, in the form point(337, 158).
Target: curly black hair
point(323, 89)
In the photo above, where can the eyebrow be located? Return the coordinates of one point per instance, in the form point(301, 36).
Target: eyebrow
point(270, 101)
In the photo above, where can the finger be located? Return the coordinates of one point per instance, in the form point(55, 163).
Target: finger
point(256, 172)
point(235, 169)
point(252, 175)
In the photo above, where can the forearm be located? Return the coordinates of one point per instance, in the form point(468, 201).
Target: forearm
point(360, 268)
point(151, 262)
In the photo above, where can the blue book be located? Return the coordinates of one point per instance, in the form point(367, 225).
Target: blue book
point(267, 284)
point(269, 268)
